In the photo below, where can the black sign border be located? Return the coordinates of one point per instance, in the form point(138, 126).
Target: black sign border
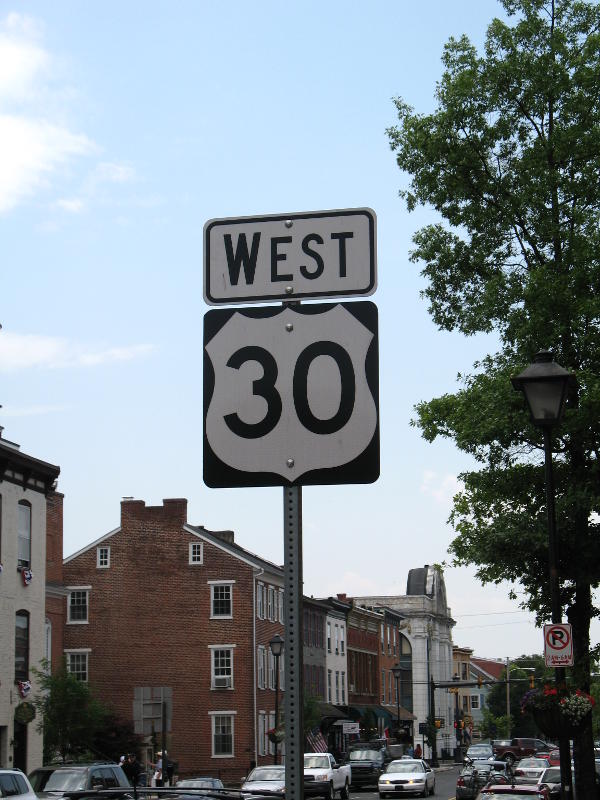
point(352, 212)
point(363, 469)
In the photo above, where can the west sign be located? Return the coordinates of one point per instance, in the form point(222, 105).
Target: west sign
point(290, 256)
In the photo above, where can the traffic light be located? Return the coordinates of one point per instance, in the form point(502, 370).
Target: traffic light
point(532, 681)
point(455, 724)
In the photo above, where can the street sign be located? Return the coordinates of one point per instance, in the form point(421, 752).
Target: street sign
point(558, 645)
point(291, 395)
point(422, 727)
point(315, 254)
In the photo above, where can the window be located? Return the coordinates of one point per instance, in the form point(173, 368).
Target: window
point(48, 644)
point(342, 644)
point(270, 598)
point(391, 688)
point(24, 534)
point(474, 701)
point(148, 707)
point(329, 637)
point(262, 733)
point(103, 557)
point(382, 684)
point(196, 553)
point(260, 659)
point(329, 694)
point(222, 734)
point(221, 676)
point(337, 687)
point(343, 688)
point(77, 663)
point(260, 613)
point(221, 600)
point(382, 639)
point(281, 606)
point(337, 639)
point(22, 645)
point(78, 605)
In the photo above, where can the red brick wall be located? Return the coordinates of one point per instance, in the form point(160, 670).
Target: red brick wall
point(149, 626)
point(55, 605)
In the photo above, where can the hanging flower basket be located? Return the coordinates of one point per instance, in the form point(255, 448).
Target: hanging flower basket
point(556, 711)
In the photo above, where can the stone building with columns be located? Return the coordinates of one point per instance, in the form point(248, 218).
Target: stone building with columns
point(427, 625)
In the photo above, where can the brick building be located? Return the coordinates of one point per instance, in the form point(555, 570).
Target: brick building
point(161, 611)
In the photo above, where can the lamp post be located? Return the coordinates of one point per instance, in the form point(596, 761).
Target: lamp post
point(545, 385)
point(458, 733)
point(397, 673)
point(276, 645)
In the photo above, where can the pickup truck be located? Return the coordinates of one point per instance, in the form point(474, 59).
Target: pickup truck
point(323, 777)
point(368, 763)
point(516, 749)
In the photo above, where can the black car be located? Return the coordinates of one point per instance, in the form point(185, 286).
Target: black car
point(368, 763)
point(75, 777)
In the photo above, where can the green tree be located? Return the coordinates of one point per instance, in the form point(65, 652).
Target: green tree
point(70, 716)
point(521, 671)
point(510, 160)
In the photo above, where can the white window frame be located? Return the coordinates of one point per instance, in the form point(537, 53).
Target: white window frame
point(343, 688)
point(103, 563)
point(24, 535)
point(475, 702)
point(193, 548)
point(219, 584)
point(270, 599)
point(262, 733)
point(213, 716)
point(329, 688)
point(329, 637)
point(342, 640)
point(271, 668)
point(215, 648)
point(336, 631)
point(260, 610)
point(86, 590)
point(337, 687)
point(281, 606)
point(260, 666)
point(81, 651)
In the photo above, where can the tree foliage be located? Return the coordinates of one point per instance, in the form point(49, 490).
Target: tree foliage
point(510, 160)
point(75, 724)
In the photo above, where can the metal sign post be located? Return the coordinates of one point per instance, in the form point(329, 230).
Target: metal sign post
point(294, 640)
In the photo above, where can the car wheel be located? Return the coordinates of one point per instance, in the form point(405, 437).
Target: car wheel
point(331, 792)
point(433, 788)
point(345, 792)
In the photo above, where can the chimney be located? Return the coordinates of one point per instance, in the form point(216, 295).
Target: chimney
point(225, 536)
point(342, 596)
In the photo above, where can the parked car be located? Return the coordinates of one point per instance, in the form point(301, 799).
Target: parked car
point(38, 778)
point(528, 770)
point(99, 775)
point(480, 752)
point(550, 777)
point(200, 783)
point(367, 765)
point(324, 777)
point(14, 784)
point(264, 779)
point(477, 774)
point(414, 775)
point(504, 791)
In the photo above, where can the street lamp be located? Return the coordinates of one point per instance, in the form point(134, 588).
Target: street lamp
point(276, 645)
point(458, 732)
point(397, 673)
point(545, 385)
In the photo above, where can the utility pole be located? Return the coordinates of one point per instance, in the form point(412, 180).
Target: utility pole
point(508, 732)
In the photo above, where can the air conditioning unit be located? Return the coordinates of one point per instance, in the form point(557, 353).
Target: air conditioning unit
point(222, 682)
point(351, 687)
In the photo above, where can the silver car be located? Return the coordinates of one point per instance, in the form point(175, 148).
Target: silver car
point(265, 779)
point(407, 775)
point(528, 770)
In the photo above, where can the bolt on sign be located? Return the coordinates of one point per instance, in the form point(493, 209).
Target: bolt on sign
point(315, 254)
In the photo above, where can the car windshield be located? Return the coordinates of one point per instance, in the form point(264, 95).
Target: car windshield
point(528, 763)
point(267, 774)
point(316, 762)
point(364, 755)
point(405, 766)
point(551, 775)
point(38, 779)
point(479, 749)
point(66, 780)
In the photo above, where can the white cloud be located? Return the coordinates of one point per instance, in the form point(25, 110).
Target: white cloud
point(73, 205)
point(441, 487)
point(110, 172)
point(26, 351)
point(33, 147)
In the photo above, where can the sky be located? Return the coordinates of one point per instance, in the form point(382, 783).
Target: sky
point(124, 127)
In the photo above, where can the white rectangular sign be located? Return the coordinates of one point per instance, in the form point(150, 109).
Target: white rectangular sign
point(290, 256)
point(558, 645)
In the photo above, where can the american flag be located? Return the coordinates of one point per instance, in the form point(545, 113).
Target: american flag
point(26, 575)
point(316, 741)
point(24, 688)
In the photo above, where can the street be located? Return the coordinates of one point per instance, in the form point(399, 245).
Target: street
point(445, 785)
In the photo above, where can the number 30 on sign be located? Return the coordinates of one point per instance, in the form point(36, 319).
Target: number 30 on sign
point(291, 395)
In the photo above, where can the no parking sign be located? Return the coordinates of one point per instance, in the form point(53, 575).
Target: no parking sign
point(558, 645)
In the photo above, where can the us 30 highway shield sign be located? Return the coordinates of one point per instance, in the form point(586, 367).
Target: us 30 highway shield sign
point(291, 395)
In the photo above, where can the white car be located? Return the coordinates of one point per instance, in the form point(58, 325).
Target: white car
point(265, 779)
point(528, 770)
point(14, 784)
point(407, 776)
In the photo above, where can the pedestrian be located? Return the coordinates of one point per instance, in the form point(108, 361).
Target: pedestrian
point(418, 751)
point(133, 769)
point(410, 751)
point(158, 770)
